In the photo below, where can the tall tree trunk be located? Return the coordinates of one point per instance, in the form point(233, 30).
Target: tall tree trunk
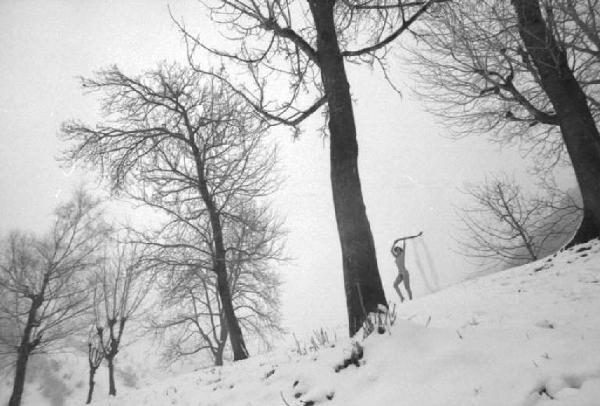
point(112, 389)
point(219, 260)
point(91, 386)
point(587, 229)
point(364, 291)
point(233, 327)
point(577, 125)
point(19, 382)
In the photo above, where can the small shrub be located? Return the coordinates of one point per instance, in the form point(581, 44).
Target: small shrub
point(319, 339)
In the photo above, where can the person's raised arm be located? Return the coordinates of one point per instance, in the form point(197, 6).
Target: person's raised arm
point(404, 240)
point(408, 237)
point(414, 236)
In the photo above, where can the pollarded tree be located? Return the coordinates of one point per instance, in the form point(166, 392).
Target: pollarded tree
point(121, 282)
point(45, 282)
point(480, 75)
point(305, 47)
point(174, 140)
point(95, 357)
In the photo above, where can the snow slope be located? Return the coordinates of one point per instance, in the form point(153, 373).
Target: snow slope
point(528, 336)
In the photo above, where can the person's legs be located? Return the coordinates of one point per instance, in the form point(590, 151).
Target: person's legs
point(397, 286)
point(406, 278)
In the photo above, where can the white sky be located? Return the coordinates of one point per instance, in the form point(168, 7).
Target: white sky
point(409, 169)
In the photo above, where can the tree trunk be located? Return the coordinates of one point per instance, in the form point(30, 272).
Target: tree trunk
point(364, 291)
point(25, 348)
point(577, 125)
point(219, 261)
point(91, 385)
point(221, 345)
point(233, 327)
point(219, 357)
point(19, 383)
point(113, 350)
point(587, 229)
point(112, 389)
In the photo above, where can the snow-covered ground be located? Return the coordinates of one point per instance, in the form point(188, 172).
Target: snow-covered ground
point(522, 337)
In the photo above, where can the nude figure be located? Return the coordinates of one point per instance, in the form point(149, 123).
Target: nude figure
point(403, 275)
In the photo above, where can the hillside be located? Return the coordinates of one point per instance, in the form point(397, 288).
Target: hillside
point(526, 336)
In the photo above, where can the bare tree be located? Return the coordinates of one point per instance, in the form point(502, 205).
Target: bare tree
point(186, 146)
point(504, 226)
point(95, 357)
point(45, 280)
point(122, 280)
point(577, 125)
point(479, 74)
point(192, 319)
point(278, 42)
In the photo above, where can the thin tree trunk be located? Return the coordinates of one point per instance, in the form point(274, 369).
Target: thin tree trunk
point(219, 357)
point(364, 291)
point(91, 385)
point(221, 345)
point(112, 389)
point(516, 224)
point(577, 125)
point(113, 350)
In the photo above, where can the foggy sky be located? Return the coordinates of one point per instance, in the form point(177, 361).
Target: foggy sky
point(409, 167)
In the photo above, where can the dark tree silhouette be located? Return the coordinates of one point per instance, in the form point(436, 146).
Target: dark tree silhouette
point(279, 41)
point(192, 319)
point(577, 125)
point(169, 138)
point(486, 70)
point(95, 357)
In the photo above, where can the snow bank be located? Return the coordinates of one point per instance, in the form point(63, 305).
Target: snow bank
point(528, 336)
